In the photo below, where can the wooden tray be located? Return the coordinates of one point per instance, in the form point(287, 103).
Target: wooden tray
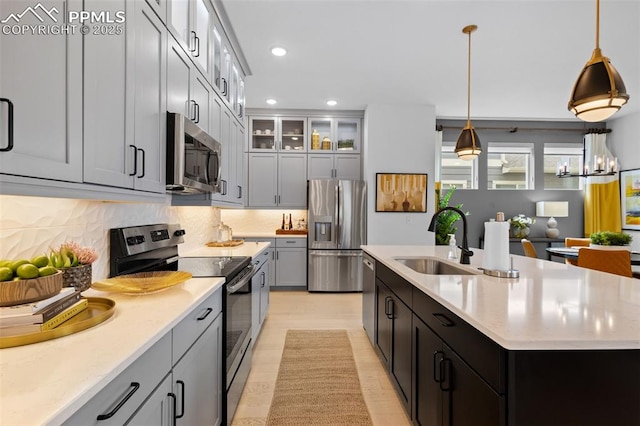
point(291, 232)
point(142, 282)
point(99, 310)
point(230, 243)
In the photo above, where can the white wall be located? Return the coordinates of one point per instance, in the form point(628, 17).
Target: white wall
point(399, 139)
point(624, 143)
point(30, 226)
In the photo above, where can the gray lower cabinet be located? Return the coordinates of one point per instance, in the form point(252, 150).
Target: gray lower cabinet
point(291, 262)
point(158, 409)
point(260, 292)
point(197, 379)
point(177, 381)
point(288, 266)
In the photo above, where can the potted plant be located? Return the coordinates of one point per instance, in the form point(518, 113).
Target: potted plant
point(520, 225)
point(75, 263)
point(446, 220)
point(610, 240)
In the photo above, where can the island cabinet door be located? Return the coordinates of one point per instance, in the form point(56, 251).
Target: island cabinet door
point(446, 390)
point(383, 323)
point(467, 398)
point(427, 356)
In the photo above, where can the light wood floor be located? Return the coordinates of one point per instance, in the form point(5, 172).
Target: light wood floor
point(302, 310)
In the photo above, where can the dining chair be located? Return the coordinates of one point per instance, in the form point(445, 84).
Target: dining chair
point(529, 249)
point(575, 242)
point(613, 261)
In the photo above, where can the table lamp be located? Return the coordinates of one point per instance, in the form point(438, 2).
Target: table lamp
point(552, 209)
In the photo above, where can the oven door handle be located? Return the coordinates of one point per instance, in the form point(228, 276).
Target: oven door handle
point(244, 280)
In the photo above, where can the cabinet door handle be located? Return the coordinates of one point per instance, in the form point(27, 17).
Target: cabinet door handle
point(224, 187)
point(278, 199)
point(387, 312)
point(442, 319)
point(239, 191)
point(135, 160)
point(277, 256)
point(175, 406)
point(196, 112)
point(192, 110)
point(181, 384)
point(205, 314)
point(144, 162)
point(134, 387)
point(197, 47)
point(263, 279)
point(436, 369)
point(9, 125)
point(194, 39)
point(275, 199)
point(445, 372)
point(225, 86)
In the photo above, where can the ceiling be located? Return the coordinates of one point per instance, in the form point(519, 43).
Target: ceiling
point(525, 55)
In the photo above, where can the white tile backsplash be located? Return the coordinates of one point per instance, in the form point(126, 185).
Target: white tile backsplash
point(32, 225)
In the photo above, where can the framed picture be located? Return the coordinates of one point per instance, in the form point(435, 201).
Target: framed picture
point(630, 198)
point(401, 192)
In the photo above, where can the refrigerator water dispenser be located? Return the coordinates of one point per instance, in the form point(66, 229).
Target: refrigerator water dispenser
point(322, 231)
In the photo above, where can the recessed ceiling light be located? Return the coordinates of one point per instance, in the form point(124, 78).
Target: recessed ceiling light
point(278, 51)
point(272, 101)
point(331, 102)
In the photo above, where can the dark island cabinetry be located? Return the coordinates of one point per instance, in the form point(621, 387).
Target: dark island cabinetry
point(447, 372)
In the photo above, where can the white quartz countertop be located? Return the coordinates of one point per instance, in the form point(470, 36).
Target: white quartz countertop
point(245, 249)
point(552, 306)
point(267, 235)
point(45, 383)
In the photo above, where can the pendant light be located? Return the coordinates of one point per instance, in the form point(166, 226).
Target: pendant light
point(468, 144)
point(599, 90)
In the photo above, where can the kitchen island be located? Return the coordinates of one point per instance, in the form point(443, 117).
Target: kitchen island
point(47, 383)
point(558, 345)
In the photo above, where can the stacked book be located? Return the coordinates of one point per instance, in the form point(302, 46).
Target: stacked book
point(42, 315)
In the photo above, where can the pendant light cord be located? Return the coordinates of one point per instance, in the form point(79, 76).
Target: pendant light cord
point(597, 24)
point(469, 81)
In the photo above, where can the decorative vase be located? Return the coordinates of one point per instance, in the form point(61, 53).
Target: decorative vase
point(520, 232)
point(78, 277)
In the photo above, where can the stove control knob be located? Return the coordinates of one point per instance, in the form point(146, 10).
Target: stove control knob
point(179, 233)
point(135, 240)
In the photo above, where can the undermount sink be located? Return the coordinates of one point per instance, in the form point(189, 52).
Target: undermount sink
point(433, 266)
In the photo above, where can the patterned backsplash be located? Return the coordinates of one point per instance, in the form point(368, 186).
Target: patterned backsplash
point(32, 225)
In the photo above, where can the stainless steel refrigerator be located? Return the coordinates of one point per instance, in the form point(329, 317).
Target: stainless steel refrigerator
point(337, 227)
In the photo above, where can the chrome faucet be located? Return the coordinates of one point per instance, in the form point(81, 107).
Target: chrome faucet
point(466, 253)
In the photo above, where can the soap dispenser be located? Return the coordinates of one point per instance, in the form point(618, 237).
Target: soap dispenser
point(453, 254)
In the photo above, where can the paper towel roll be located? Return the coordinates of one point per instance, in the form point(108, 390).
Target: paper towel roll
point(496, 246)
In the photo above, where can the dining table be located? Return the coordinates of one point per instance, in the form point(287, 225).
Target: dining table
point(572, 253)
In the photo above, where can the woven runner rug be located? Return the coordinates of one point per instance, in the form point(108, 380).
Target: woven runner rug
point(318, 382)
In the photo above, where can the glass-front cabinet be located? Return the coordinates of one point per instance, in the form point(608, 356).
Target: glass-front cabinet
point(330, 135)
point(277, 134)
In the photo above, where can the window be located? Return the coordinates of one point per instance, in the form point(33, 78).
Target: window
point(510, 166)
point(557, 156)
point(463, 174)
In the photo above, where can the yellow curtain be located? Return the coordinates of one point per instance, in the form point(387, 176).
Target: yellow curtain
point(601, 193)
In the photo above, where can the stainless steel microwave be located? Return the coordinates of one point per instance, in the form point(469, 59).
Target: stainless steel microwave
point(193, 158)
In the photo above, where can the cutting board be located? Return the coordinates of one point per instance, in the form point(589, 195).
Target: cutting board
point(291, 232)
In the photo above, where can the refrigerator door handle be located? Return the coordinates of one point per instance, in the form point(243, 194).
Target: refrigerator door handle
point(338, 218)
point(335, 253)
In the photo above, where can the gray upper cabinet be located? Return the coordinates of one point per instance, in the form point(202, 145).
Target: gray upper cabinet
point(125, 103)
point(40, 75)
point(335, 166)
point(337, 134)
point(278, 180)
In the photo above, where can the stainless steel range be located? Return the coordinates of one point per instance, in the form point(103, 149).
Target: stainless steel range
point(155, 248)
